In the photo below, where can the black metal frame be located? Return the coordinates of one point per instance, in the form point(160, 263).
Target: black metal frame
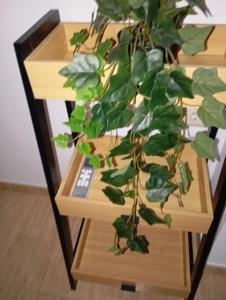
point(40, 119)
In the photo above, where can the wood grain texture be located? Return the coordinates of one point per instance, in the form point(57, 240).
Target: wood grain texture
point(32, 265)
point(23, 188)
point(165, 268)
point(55, 52)
point(196, 215)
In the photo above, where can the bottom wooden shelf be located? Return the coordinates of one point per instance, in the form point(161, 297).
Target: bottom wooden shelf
point(165, 268)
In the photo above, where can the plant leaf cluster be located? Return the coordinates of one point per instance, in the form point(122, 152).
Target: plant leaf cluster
point(141, 64)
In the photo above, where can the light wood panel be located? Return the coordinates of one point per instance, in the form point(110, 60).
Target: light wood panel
point(55, 52)
point(165, 268)
point(196, 215)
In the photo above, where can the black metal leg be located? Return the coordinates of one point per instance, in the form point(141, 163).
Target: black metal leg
point(70, 105)
point(208, 239)
point(191, 254)
point(40, 119)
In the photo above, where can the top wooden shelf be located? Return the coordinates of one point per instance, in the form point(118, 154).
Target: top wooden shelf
point(55, 52)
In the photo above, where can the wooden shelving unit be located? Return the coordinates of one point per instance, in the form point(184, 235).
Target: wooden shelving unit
point(170, 266)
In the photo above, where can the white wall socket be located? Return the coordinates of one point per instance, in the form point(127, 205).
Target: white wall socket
point(192, 118)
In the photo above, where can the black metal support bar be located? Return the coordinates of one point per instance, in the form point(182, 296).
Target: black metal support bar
point(208, 239)
point(70, 105)
point(213, 132)
point(40, 119)
point(191, 254)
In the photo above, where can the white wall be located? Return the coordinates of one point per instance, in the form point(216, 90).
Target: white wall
point(19, 159)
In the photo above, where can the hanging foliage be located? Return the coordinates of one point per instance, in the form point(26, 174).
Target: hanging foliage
point(141, 62)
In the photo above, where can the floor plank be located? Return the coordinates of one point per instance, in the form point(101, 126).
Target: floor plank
point(31, 263)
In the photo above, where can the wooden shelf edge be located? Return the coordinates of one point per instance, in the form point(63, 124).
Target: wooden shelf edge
point(183, 219)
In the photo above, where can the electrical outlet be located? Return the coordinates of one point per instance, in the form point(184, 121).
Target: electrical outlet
point(192, 117)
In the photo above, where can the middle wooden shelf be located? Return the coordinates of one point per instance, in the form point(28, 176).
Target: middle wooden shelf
point(195, 215)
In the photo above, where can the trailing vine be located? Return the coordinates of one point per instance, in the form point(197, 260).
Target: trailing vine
point(136, 82)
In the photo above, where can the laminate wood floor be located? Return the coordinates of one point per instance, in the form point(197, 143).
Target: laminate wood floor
point(31, 263)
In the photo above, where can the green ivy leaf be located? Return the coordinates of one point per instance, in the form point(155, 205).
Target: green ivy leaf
point(180, 85)
point(194, 38)
point(104, 47)
point(200, 4)
point(138, 244)
point(160, 192)
point(185, 177)
point(159, 143)
point(138, 66)
point(164, 116)
point(88, 93)
point(151, 10)
point(93, 129)
point(129, 194)
point(123, 229)
point(115, 195)
point(123, 119)
point(142, 117)
point(137, 14)
point(168, 220)
point(125, 147)
point(118, 177)
point(79, 38)
point(121, 88)
point(211, 113)
point(75, 125)
point(82, 71)
point(77, 119)
point(158, 171)
point(99, 22)
point(116, 10)
point(158, 187)
point(155, 60)
point(99, 113)
point(61, 140)
point(147, 86)
point(142, 63)
point(83, 148)
point(206, 82)
point(136, 3)
point(94, 160)
point(151, 218)
point(79, 113)
point(164, 32)
point(120, 53)
point(203, 146)
point(165, 87)
point(108, 162)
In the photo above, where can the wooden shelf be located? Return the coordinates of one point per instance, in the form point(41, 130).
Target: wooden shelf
point(195, 216)
point(55, 52)
point(165, 268)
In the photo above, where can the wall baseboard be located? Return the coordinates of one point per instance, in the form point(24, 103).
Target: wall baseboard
point(216, 270)
point(23, 188)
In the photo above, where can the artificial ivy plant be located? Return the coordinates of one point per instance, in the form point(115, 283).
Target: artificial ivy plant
point(141, 64)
